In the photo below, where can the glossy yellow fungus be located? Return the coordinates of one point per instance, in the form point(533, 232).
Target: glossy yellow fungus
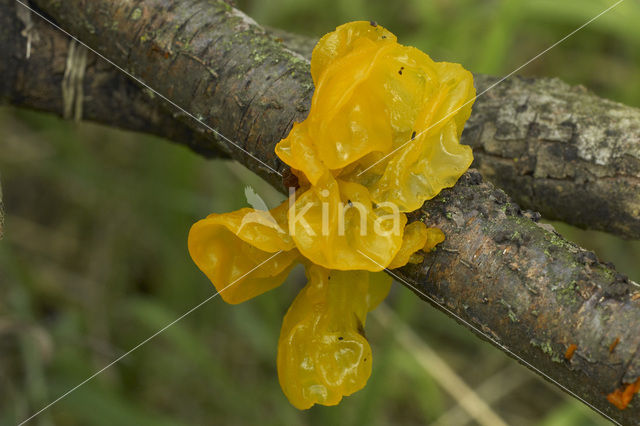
point(415, 237)
point(383, 115)
point(381, 138)
point(323, 354)
point(233, 250)
point(342, 229)
point(434, 237)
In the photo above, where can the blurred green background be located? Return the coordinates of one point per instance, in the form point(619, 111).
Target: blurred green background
point(94, 258)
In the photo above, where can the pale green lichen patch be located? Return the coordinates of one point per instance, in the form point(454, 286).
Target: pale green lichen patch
point(259, 57)
point(510, 313)
point(546, 348)
point(568, 295)
point(136, 14)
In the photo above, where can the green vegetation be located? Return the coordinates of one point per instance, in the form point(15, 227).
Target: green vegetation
point(94, 258)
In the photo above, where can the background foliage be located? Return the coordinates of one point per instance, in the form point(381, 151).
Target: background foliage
point(94, 259)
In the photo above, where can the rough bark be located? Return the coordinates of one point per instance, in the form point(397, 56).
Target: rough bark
point(110, 97)
point(561, 150)
point(554, 148)
point(531, 293)
point(1, 214)
point(526, 288)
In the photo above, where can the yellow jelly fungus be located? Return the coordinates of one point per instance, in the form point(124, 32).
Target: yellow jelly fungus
point(227, 247)
point(341, 228)
point(415, 237)
point(323, 354)
point(381, 138)
point(434, 237)
point(383, 115)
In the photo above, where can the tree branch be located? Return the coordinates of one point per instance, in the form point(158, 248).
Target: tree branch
point(527, 290)
point(560, 150)
point(547, 144)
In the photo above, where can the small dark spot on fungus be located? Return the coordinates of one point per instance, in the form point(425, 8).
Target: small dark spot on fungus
point(623, 396)
point(373, 24)
point(413, 135)
point(384, 36)
point(340, 338)
point(400, 72)
point(359, 326)
point(570, 351)
point(350, 203)
point(614, 344)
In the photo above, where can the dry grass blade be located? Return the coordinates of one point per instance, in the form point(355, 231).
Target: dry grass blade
point(437, 368)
